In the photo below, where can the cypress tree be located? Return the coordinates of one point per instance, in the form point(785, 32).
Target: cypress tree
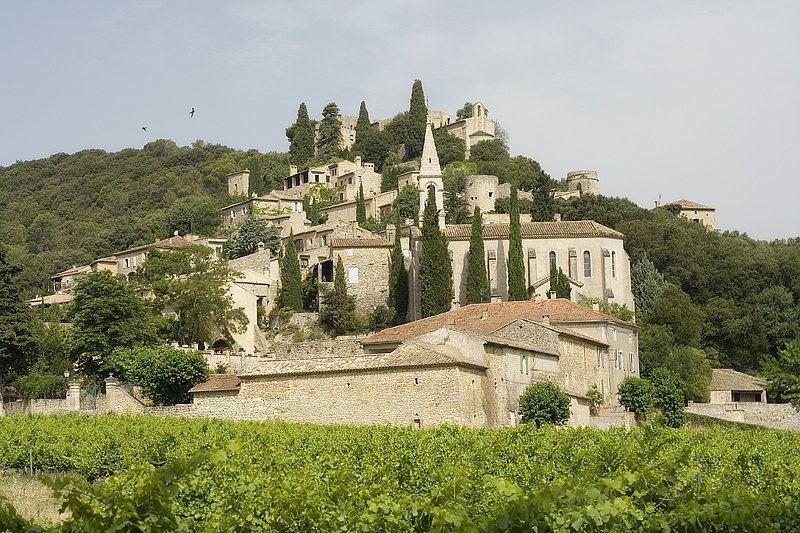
point(314, 212)
point(398, 279)
point(544, 206)
point(417, 118)
point(477, 280)
point(435, 270)
point(363, 123)
point(291, 290)
point(361, 208)
point(559, 283)
point(301, 138)
point(516, 265)
point(330, 133)
point(339, 312)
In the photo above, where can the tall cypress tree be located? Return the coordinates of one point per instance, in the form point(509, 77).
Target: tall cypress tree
point(398, 279)
point(363, 123)
point(559, 283)
point(417, 117)
point(329, 141)
point(339, 311)
point(544, 206)
point(435, 270)
point(477, 280)
point(517, 289)
point(301, 138)
point(291, 291)
point(361, 207)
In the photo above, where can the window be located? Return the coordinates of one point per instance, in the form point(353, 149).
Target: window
point(552, 260)
point(134, 261)
point(573, 264)
point(614, 265)
point(127, 262)
point(352, 275)
point(599, 358)
point(304, 262)
point(587, 264)
point(490, 194)
point(233, 214)
point(298, 245)
point(621, 359)
point(737, 397)
point(523, 364)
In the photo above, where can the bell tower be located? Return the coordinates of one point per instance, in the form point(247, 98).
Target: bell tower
point(430, 175)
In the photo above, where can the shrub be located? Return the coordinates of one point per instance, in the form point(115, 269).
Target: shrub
point(669, 396)
point(637, 395)
point(165, 374)
point(595, 399)
point(35, 386)
point(544, 403)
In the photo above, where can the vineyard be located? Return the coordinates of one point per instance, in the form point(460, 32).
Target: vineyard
point(153, 474)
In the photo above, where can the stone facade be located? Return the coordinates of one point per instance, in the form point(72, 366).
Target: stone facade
point(239, 183)
point(698, 213)
point(772, 415)
point(366, 268)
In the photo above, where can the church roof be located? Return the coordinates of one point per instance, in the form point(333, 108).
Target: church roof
point(429, 163)
point(485, 319)
point(534, 230)
point(688, 204)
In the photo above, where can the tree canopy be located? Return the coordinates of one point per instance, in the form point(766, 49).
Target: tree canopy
point(290, 293)
point(251, 232)
point(165, 374)
point(17, 342)
point(435, 270)
point(301, 138)
point(477, 279)
point(329, 138)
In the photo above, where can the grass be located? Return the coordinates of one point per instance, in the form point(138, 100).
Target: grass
point(30, 497)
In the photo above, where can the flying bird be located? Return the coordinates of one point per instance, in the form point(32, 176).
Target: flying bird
point(191, 113)
point(144, 128)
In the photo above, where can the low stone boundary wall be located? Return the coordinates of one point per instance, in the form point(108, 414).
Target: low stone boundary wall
point(771, 415)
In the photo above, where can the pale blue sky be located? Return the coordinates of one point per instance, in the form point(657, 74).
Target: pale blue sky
point(696, 100)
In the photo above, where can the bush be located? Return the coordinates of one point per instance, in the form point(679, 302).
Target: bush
point(637, 395)
point(165, 374)
point(544, 403)
point(669, 396)
point(595, 399)
point(35, 386)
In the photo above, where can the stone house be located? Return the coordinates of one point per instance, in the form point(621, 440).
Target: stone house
point(344, 176)
point(729, 386)
point(366, 267)
point(699, 213)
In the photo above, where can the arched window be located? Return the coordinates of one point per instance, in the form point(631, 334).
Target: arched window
point(587, 264)
point(552, 260)
point(614, 265)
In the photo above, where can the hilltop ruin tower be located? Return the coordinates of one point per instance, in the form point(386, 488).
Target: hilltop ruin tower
point(584, 181)
point(430, 175)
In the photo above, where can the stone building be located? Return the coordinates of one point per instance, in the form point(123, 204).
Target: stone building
point(344, 176)
point(699, 213)
point(366, 267)
point(728, 386)
point(473, 129)
point(239, 183)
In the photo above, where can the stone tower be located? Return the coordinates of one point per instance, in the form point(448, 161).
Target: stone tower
point(584, 180)
point(430, 175)
point(239, 183)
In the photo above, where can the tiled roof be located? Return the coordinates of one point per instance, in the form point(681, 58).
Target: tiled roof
point(412, 354)
point(217, 383)
point(361, 243)
point(72, 271)
point(172, 242)
point(484, 319)
point(51, 299)
point(534, 230)
point(729, 379)
point(688, 204)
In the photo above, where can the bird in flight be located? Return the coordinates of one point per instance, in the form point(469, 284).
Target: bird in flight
point(191, 113)
point(144, 128)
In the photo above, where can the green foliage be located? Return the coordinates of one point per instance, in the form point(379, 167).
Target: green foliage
point(398, 279)
point(290, 293)
point(435, 270)
point(544, 403)
point(543, 208)
point(675, 310)
point(494, 150)
point(251, 232)
point(784, 373)
point(165, 374)
point(477, 279)
point(338, 313)
point(517, 288)
point(449, 148)
point(407, 203)
point(217, 475)
point(36, 385)
point(466, 111)
point(669, 396)
point(455, 204)
point(658, 348)
point(106, 313)
point(637, 395)
point(301, 138)
point(329, 139)
point(192, 287)
point(311, 291)
point(417, 118)
point(647, 284)
point(361, 208)
point(596, 399)
point(194, 214)
point(382, 318)
point(559, 283)
point(614, 309)
point(17, 343)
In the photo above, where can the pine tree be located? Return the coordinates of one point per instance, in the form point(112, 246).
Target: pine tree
point(301, 138)
point(398, 279)
point(291, 290)
point(417, 117)
point(435, 270)
point(477, 280)
point(361, 208)
point(339, 311)
point(329, 141)
point(517, 289)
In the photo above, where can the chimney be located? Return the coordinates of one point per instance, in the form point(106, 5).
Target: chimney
point(553, 295)
point(546, 320)
point(292, 170)
point(557, 217)
point(596, 306)
point(158, 240)
point(358, 160)
point(484, 315)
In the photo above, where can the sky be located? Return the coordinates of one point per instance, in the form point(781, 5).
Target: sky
point(664, 99)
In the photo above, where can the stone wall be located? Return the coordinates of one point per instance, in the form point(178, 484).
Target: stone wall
point(325, 348)
point(367, 273)
point(37, 407)
point(771, 415)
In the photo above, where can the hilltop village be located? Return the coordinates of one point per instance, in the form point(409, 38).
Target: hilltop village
point(468, 363)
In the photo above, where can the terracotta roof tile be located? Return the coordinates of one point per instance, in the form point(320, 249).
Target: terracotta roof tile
point(688, 204)
point(172, 242)
point(484, 319)
point(412, 354)
point(218, 383)
point(534, 230)
point(729, 379)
